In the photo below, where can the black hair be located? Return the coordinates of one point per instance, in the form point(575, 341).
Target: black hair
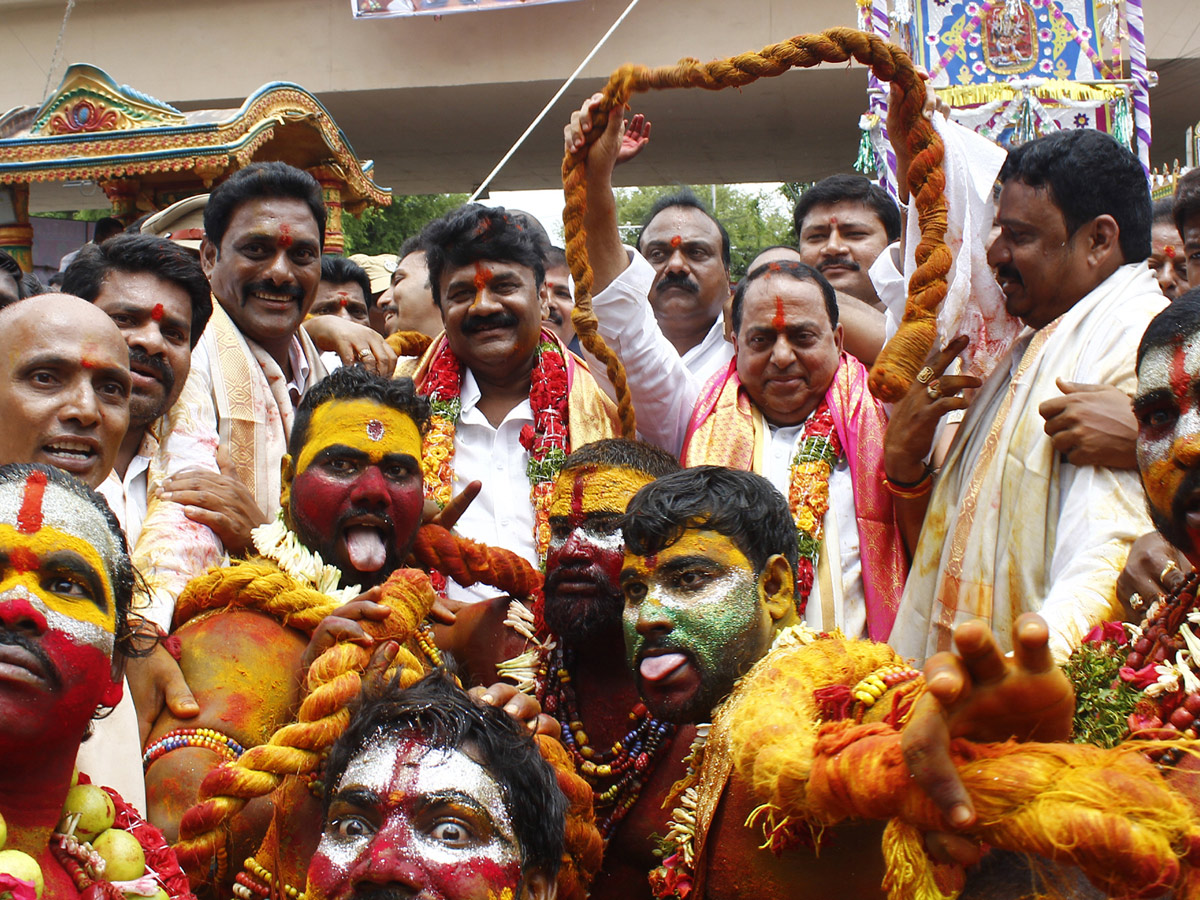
point(443, 716)
point(798, 270)
point(30, 286)
point(536, 229)
point(556, 257)
point(622, 453)
point(339, 270)
point(410, 245)
point(743, 506)
point(10, 266)
point(685, 198)
point(56, 280)
point(841, 188)
point(1177, 321)
point(474, 232)
point(1088, 174)
point(135, 227)
point(1163, 211)
point(1187, 198)
point(356, 383)
point(122, 575)
point(106, 228)
point(136, 253)
point(261, 180)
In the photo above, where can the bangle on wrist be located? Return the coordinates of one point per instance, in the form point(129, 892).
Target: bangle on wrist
point(910, 489)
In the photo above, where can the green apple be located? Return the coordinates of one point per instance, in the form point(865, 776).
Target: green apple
point(95, 808)
point(122, 854)
point(23, 866)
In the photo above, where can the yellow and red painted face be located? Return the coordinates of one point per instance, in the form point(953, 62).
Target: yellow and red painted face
point(356, 496)
point(595, 490)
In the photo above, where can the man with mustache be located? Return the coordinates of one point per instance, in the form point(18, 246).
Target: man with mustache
point(1008, 525)
point(66, 585)
point(844, 223)
point(562, 298)
point(509, 400)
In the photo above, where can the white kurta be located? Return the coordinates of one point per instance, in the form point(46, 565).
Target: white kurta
point(1011, 527)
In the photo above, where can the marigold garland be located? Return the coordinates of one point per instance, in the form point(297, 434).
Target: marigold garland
point(546, 440)
point(808, 493)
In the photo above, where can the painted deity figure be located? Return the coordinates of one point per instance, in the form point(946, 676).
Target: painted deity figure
point(65, 593)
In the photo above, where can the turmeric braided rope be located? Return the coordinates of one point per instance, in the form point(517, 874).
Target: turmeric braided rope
point(469, 562)
point(905, 353)
point(334, 680)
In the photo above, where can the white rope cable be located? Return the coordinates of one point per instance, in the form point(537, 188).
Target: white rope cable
point(562, 90)
point(57, 49)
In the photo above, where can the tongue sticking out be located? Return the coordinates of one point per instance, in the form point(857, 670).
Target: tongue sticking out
point(365, 546)
point(656, 668)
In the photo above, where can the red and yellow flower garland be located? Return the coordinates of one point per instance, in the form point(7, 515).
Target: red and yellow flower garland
point(808, 492)
point(546, 440)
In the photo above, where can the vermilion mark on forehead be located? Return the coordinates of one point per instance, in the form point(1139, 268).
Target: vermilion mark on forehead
point(87, 363)
point(23, 559)
point(29, 518)
point(779, 323)
point(285, 235)
point(577, 500)
point(157, 313)
point(1170, 251)
point(675, 242)
point(483, 276)
point(1180, 382)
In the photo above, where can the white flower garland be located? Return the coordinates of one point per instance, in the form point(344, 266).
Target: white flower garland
point(276, 542)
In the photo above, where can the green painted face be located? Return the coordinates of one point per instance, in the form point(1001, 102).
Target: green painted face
point(695, 622)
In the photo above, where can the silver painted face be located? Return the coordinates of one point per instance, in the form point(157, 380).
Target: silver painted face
point(404, 785)
point(81, 632)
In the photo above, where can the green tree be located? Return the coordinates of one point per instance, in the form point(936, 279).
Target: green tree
point(754, 219)
point(383, 230)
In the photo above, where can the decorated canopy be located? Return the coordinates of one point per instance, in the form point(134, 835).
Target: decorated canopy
point(146, 154)
point(1013, 70)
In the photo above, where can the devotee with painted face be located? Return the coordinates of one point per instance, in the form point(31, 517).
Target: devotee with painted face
point(1167, 259)
point(809, 729)
point(431, 794)
point(66, 584)
point(579, 676)
point(1009, 525)
point(509, 400)
point(843, 223)
point(344, 290)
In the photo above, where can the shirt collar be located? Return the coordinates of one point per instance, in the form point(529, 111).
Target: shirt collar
point(298, 363)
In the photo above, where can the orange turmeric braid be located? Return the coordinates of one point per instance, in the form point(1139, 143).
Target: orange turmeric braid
point(468, 562)
point(905, 353)
point(584, 847)
point(259, 585)
point(333, 682)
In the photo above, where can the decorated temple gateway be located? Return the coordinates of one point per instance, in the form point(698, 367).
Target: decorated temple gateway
point(146, 154)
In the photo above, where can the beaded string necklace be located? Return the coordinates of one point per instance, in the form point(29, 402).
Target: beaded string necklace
point(616, 775)
point(817, 452)
point(546, 440)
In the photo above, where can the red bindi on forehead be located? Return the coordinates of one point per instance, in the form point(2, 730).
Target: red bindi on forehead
point(1169, 250)
point(483, 276)
point(675, 242)
point(779, 322)
point(285, 235)
point(157, 313)
point(577, 501)
point(29, 517)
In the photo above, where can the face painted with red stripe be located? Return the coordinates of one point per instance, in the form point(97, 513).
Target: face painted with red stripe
point(57, 609)
point(423, 822)
point(1167, 406)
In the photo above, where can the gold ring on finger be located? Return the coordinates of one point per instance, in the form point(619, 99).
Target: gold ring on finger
point(364, 353)
point(1167, 570)
point(925, 375)
point(934, 390)
point(1135, 601)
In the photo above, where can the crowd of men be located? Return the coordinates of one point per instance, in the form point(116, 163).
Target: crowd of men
point(235, 474)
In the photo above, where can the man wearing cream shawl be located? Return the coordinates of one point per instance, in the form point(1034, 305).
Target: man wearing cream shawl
point(1008, 526)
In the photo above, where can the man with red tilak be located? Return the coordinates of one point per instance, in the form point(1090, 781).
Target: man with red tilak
point(66, 584)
